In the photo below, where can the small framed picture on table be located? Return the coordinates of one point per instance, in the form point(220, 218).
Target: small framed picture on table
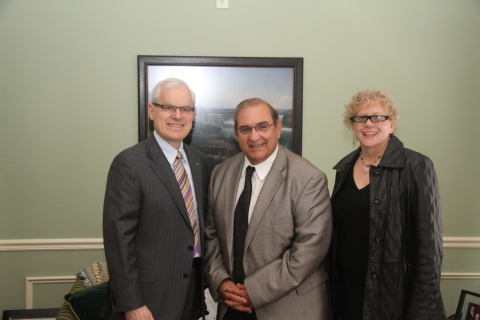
point(468, 307)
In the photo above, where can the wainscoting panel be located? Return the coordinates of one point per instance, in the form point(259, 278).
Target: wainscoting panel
point(30, 281)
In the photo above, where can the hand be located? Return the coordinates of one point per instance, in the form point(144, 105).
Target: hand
point(233, 296)
point(222, 291)
point(245, 295)
point(142, 313)
point(239, 293)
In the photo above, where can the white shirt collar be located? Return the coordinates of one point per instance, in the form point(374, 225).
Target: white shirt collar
point(263, 168)
point(169, 151)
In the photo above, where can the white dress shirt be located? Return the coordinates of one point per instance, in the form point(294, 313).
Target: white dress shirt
point(258, 178)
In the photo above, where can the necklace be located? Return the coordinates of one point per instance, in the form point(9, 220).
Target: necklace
point(366, 167)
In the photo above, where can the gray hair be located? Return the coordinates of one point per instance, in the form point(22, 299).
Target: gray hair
point(253, 102)
point(169, 83)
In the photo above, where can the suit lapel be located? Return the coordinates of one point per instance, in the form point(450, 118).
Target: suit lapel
point(164, 172)
point(270, 186)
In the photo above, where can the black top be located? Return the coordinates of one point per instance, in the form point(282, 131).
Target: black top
point(351, 207)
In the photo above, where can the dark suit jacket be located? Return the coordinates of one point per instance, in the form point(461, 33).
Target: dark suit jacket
point(147, 233)
point(468, 315)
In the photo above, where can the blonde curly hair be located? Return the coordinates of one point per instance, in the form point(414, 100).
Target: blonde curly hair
point(365, 97)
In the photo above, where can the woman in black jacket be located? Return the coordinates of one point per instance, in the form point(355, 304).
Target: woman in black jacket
point(387, 248)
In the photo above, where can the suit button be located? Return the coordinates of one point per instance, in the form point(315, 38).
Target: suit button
point(377, 240)
point(186, 276)
point(374, 276)
point(190, 248)
point(376, 201)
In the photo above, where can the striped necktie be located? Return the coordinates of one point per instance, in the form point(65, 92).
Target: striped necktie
point(184, 183)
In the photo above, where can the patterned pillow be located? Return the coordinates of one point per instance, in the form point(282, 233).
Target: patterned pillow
point(93, 274)
point(87, 304)
point(65, 311)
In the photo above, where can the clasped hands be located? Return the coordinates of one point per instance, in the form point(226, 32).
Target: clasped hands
point(142, 313)
point(235, 296)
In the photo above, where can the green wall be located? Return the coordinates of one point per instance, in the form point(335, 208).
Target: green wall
point(68, 102)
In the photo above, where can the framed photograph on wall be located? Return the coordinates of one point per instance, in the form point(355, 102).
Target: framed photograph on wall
point(468, 305)
point(220, 84)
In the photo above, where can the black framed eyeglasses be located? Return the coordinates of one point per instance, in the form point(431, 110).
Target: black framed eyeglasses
point(375, 118)
point(171, 109)
point(261, 127)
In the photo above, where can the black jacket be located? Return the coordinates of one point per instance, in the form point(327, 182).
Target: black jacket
point(405, 236)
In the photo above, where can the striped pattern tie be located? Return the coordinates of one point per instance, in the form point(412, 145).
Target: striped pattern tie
point(184, 183)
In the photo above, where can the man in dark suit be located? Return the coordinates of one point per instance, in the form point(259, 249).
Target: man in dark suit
point(470, 314)
point(153, 216)
point(268, 227)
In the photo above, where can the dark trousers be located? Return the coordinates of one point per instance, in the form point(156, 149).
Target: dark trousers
point(193, 302)
point(232, 314)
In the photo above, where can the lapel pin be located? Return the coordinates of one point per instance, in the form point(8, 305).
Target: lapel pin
point(197, 163)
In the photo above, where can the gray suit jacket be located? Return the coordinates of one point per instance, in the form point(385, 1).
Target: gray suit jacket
point(287, 240)
point(147, 233)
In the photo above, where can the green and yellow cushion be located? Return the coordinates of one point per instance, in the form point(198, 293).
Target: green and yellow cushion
point(65, 311)
point(87, 304)
point(94, 274)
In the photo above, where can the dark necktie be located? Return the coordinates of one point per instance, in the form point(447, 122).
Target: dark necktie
point(241, 226)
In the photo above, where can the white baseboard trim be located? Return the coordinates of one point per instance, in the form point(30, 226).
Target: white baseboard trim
point(97, 244)
point(51, 244)
point(30, 281)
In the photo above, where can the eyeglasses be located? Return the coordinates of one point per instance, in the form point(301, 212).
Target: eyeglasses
point(261, 128)
point(375, 118)
point(171, 109)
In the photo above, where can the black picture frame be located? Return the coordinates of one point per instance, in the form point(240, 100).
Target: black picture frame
point(465, 302)
point(221, 142)
point(30, 314)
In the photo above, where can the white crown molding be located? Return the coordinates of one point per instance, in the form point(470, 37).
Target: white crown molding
point(51, 244)
point(30, 281)
point(97, 244)
point(461, 242)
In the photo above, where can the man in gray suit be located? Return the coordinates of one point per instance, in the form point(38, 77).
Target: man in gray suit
point(153, 223)
point(268, 226)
